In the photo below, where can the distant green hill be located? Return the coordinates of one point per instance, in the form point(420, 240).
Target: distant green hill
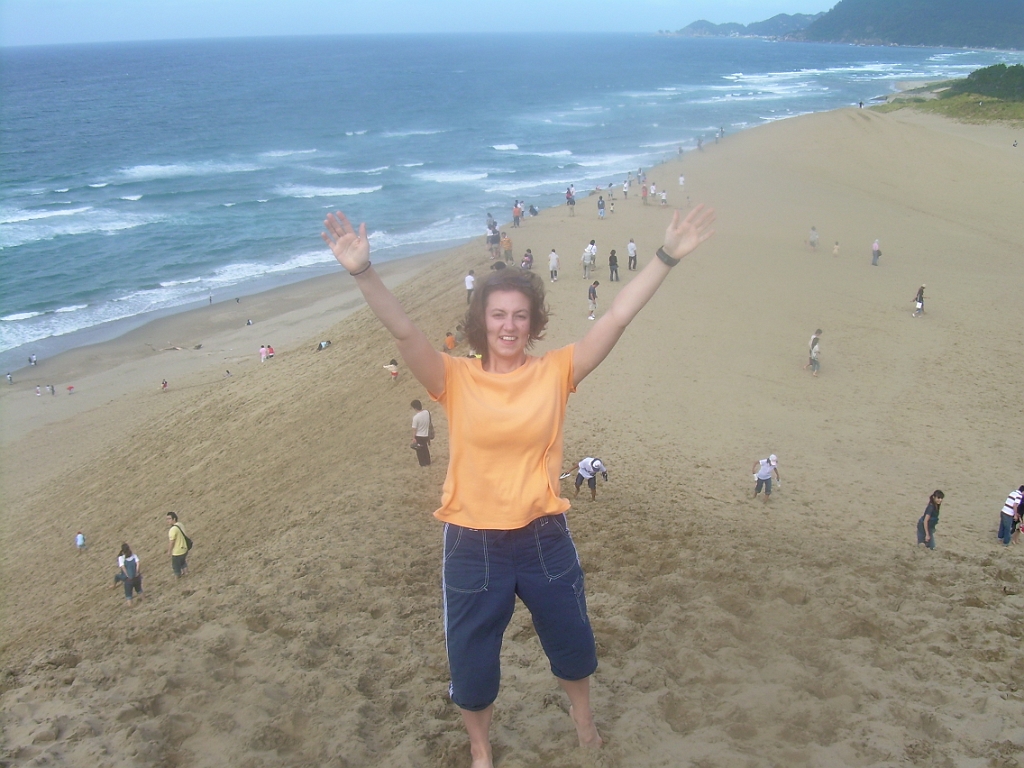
point(949, 23)
point(777, 26)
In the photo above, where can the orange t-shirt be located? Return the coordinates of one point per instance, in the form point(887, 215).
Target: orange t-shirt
point(505, 441)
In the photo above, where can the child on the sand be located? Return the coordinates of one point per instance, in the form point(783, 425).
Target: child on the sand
point(392, 368)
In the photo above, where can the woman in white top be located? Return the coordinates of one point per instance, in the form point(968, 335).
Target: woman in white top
point(129, 573)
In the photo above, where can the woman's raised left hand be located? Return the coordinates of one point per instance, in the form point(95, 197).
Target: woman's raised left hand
point(684, 235)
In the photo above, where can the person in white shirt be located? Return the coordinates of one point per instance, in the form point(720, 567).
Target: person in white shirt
point(763, 471)
point(588, 470)
point(631, 250)
point(813, 353)
point(470, 283)
point(421, 433)
point(588, 258)
point(1010, 515)
point(129, 573)
point(553, 265)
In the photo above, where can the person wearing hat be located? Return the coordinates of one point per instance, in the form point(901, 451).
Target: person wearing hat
point(763, 471)
point(919, 302)
point(588, 469)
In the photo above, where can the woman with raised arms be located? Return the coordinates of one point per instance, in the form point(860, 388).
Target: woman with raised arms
point(505, 531)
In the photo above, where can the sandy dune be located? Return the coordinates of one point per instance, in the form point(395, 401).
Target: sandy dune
point(807, 632)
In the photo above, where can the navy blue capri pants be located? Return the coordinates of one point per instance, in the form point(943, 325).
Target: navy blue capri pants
point(484, 572)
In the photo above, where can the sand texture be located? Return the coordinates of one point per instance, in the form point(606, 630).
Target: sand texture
point(811, 631)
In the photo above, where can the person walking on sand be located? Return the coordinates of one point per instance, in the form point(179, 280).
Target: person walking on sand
point(763, 471)
point(631, 250)
point(9, 379)
point(643, 194)
point(392, 368)
point(1010, 514)
point(813, 352)
point(812, 239)
point(587, 470)
point(588, 258)
point(592, 299)
point(177, 546)
point(505, 531)
point(129, 573)
point(470, 283)
point(570, 201)
point(506, 248)
point(919, 302)
point(553, 265)
point(80, 542)
point(263, 353)
point(421, 433)
point(613, 267)
point(600, 207)
point(835, 249)
point(163, 386)
point(926, 524)
point(876, 253)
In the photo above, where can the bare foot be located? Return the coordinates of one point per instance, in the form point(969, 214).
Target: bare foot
point(586, 730)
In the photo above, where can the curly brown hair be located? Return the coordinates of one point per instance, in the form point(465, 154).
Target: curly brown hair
point(511, 279)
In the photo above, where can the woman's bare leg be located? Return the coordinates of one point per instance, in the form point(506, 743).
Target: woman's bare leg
point(478, 726)
point(580, 712)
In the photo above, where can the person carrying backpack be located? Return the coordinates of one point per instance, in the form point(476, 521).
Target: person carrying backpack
point(178, 545)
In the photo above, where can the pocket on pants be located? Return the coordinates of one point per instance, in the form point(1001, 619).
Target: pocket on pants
point(555, 548)
point(466, 565)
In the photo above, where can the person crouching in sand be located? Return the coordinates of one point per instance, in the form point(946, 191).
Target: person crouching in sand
point(505, 531)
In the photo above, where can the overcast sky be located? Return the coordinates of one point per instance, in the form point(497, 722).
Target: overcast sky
point(35, 22)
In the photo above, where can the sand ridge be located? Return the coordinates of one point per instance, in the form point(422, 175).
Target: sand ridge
point(810, 631)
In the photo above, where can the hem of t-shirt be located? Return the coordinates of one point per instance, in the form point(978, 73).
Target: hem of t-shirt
point(496, 528)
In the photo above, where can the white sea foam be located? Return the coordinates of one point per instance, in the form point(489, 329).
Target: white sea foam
point(302, 191)
point(228, 205)
point(72, 308)
point(99, 186)
point(557, 153)
point(172, 283)
point(287, 152)
point(261, 201)
point(451, 177)
point(61, 191)
point(178, 170)
point(132, 197)
point(529, 184)
point(355, 133)
point(86, 221)
point(411, 165)
point(20, 316)
point(442, 231)
point(17, 216)
point(504, 147)
point(403, 134)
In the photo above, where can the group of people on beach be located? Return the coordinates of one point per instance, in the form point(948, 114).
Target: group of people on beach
point(129, 568)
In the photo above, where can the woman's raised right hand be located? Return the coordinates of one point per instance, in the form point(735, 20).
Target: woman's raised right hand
point(350, 248)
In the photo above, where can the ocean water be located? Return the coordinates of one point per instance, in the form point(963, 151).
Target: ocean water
point(145, 178)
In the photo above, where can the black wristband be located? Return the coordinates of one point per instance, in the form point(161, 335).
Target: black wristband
point(356, 274)
point(668, 260)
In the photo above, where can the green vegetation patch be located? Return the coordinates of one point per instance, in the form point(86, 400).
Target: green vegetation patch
point(998, 81)
point(965, 107)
